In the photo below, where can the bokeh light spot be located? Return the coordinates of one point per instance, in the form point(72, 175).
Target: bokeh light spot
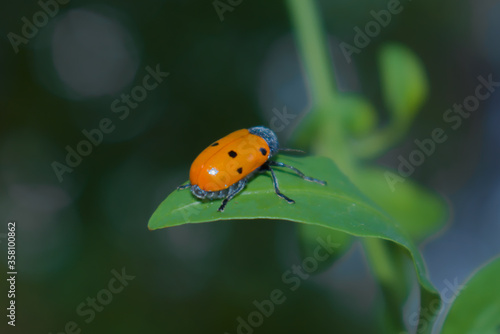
point(93, 54)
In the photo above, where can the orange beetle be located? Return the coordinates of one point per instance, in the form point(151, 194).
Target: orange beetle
point(223, 169)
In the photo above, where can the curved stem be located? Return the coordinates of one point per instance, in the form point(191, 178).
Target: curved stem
point(319, 73)
point(312, 44)
point(329, 136)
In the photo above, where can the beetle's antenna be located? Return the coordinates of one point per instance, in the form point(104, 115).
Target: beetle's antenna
point(291, 150)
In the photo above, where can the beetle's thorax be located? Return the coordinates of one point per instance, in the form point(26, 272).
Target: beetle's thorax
point(269, 136)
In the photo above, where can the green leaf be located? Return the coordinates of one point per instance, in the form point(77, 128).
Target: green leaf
point(404, 87)
point(339, 206)
point(419, 211)
point(476, 309)
point(359, 115)
point(404, 82)
point(308, 236)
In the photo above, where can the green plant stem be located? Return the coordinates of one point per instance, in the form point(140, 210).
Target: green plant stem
point(389, 278)
point(375, 144)
point(313, 50)
point(312, 42)
point(376, 252)
point(330, 136)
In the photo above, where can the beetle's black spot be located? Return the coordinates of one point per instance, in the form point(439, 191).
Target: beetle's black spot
point(215, 144)
point(240, 170)
point(232, 154)
point(263, 151)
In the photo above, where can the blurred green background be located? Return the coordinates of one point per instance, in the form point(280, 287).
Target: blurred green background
point(79, 66)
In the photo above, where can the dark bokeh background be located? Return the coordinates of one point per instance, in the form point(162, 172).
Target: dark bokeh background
point(223, 75)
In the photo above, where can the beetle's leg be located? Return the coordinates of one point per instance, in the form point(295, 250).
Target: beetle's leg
point(184, 186)
point(298, 172)
point(275, 184)
point(231, 193)
point(281, 149)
